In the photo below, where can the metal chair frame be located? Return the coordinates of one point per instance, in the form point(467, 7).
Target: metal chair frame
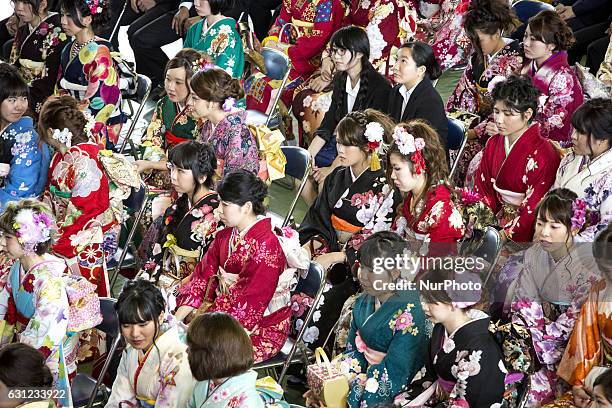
point(136, 116)
point(461, 149)
point(488, 233)
point(304, 179)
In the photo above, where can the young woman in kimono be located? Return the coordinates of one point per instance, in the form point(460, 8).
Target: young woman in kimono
point(357, 86)
point(24, 160)
point(464, 366)
point(87, 69)
point(440, 24)
point(518, 165)
point(221, 357)
point(553, 282)
point(355, 201)
point(214, 94)
point(586, 170)
point(170, 125)
point(78, 192)
point(546, 41)
point(589, 348)
point(429, 217)
point(154, 369)
point(33, 300)
point(312, 23)
point(22, 366)
point(216, 35)
point(37, 48)
point(495, 57)
point(176, 241)
point(242, 272)
point(387, 337)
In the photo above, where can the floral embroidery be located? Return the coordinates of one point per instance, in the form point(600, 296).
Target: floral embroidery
point(403, 321)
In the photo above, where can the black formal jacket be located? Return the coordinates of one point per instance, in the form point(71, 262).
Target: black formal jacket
point(424, 103)
point(376, 97)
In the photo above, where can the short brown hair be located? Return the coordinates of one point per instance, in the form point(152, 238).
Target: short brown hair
point(59, 113)
point(7, 220)
point(351, 129)
point(219, 347)
point(434, 155)
point(186, 58)
point(216, 85)
point(548, 26)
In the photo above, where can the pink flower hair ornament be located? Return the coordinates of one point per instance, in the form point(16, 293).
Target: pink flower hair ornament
point(95, 6)
point(32, 228)
point(408, 145)
point(582, 217)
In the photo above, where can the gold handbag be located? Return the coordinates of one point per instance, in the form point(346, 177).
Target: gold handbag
point(327, 382)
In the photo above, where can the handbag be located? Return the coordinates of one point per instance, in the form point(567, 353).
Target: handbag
point(517, 347)
point(327, 382)
point(83, 303)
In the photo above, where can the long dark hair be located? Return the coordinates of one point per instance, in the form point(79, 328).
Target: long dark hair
point(423, 56)
point(76, 8)
point(241, 186)
point(594, 119)
point(11, 83)
point(353, 39)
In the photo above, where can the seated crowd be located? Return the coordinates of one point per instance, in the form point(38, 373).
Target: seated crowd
point(218, 290)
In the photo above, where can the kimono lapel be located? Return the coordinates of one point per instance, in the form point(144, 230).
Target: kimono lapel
point(34, 31)
point(581, 170)
point(506, 177)
point(543, 76)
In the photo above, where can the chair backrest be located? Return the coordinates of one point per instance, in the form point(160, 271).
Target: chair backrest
point(143, 88)
point(489, 246)
point(110, 321)
point(525, 9)
point(298, 160)
point(313, 280)
point(135, 200)
point(276, 63)
point(456, 134)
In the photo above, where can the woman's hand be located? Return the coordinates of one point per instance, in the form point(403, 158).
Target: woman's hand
point(142, 165)
point(319, 84)
point(319, 173)
point(491, 129)
point(183, 311)
point(327, 260)
point(581, 398)
point(312, 401)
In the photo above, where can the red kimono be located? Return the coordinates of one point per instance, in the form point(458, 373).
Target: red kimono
point(315, 21)
point(436, 222)
point(240, 275)
point(513, 184)
point(78, 193)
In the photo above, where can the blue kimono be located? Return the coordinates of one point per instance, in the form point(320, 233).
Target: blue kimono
point(385, 348)
point(29, 161)
point(238, 391)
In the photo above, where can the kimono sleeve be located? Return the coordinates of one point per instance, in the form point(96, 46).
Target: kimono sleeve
point(483, 183)
point(153, 141)
point(190, 36)
point(241, 151)
point(41, 88)
point(464, 95)
point(538, 176)
point(249, 297)
point(24, 175)
point(122, 391)
point(445, 230)
point(201, 283)
point(603, 198)
point(327, 13)
point(228, 50)
point(329, 122)
point(283, 18)
point(103, 81)
point(6, 332)
point(404, 358)
point(176, 381)
point(47, 328)
point(555, 112)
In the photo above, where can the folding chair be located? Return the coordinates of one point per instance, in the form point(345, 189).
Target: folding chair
point(525, 9)
point(485, 244)
point(136, 205)
point(139, 94)
point(87, 390)
point(456, 141)
point(312, 285)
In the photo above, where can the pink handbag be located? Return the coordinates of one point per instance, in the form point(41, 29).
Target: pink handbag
point(83, 303)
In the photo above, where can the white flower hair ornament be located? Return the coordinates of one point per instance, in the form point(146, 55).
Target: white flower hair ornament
point(32, 228)
point(63, 136)
point(407, 144)
point(90, 124)
point(374, 133)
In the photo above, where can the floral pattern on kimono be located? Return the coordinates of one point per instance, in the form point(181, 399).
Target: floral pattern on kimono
point(221, 41)
point(561, 94)
point(466, 365)
point(591, 180)
point(590, 344)
point(37, 55)
point(78, 194)
point(234, 144)
point(527, 171)
point(388, 24)
point(29, 160)
point(235, 392)
point(443, 30)
point(159, 378)
point(548, 304)
point(395, 335)
point(256, 260)
point(315, 21)
point(34, 311)
point(92, 78)
point(435, 220)
point(473, 94)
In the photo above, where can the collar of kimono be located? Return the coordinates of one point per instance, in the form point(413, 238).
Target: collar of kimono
point(543, 75)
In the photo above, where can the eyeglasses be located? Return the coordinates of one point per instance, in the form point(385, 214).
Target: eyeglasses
point(340, 52)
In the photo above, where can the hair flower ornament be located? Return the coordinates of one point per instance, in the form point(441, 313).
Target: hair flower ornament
point(229, 104)
point(374, 133)
point(32, 228)
point(202, 64)
point(63, 136)
point(95, 6)
point(409, 146)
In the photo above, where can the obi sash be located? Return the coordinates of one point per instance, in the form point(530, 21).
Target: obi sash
point(172, 140)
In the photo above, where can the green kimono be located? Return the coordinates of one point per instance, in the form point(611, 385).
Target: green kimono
point(385, 348)
point(221, 42)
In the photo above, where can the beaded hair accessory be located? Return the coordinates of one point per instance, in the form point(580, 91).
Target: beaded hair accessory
point(95, 6)
point(32, 228)
point(63, 136)
point(407, 144)
point(374, 133)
